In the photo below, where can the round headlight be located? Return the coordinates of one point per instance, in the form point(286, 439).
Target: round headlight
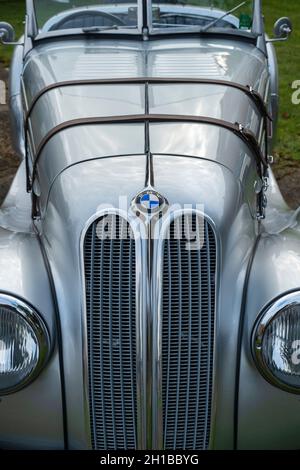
point(276, 343)
point(24, 344)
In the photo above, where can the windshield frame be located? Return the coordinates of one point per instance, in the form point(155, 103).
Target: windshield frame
point(144, 28)
point(192, 28)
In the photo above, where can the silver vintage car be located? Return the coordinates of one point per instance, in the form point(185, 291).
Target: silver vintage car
point(149, 266)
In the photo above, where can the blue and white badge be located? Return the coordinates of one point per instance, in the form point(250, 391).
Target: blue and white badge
point(149, 202)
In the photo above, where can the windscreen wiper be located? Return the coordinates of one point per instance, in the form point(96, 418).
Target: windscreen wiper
point(212, 23)
point(99, 29)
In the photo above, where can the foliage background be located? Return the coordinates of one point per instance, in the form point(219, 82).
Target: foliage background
point(288, 138)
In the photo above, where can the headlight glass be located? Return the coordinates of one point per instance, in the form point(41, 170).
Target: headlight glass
point(24, 344)
point(277, 343)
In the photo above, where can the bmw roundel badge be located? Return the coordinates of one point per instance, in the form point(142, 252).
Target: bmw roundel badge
point(150, 202)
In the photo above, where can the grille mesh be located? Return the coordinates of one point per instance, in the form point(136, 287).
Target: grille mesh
point(109, 256)
point(188, 316)
point(188, 334)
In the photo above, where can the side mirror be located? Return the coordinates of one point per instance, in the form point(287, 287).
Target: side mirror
point(283, 28)
point(7, 34)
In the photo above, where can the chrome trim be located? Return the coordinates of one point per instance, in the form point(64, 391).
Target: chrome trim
point(149, 329)
point(256, 29)
point(157, 402)
point(264, 320)
point(40, 34)
point(149, 259)
point(37, 324)
point(149, 223)
point(141, 326)
point(140, 16)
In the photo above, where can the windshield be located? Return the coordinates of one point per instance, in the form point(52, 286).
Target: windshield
point(207, 14)
point(163, 15)
point(54, 15)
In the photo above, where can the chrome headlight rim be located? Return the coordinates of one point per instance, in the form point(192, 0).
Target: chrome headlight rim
point(269, 314)
point(37, 324)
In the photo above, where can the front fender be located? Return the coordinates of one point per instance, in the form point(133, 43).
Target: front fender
point(31, 418)
point(268, 418)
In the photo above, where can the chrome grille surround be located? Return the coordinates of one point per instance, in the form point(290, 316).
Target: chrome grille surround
point(183, 398)
point(130, 433)
point(149, 300)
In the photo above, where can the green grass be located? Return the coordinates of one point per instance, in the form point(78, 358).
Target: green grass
point(12, 11)
point(288, 137)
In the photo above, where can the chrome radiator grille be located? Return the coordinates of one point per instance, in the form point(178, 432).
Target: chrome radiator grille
point(187, 319)
point(188, 297)
point(109, 258)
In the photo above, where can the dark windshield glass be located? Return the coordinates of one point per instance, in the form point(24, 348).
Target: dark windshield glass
point(89, 15)
point(54, 15)
point(203, 13)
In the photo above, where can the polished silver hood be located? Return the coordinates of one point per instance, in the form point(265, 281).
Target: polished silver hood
point(232, 60)
point(86, 188)
point(54, 108)
point(82, 192)
point(76, 61)
point(86, 168)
